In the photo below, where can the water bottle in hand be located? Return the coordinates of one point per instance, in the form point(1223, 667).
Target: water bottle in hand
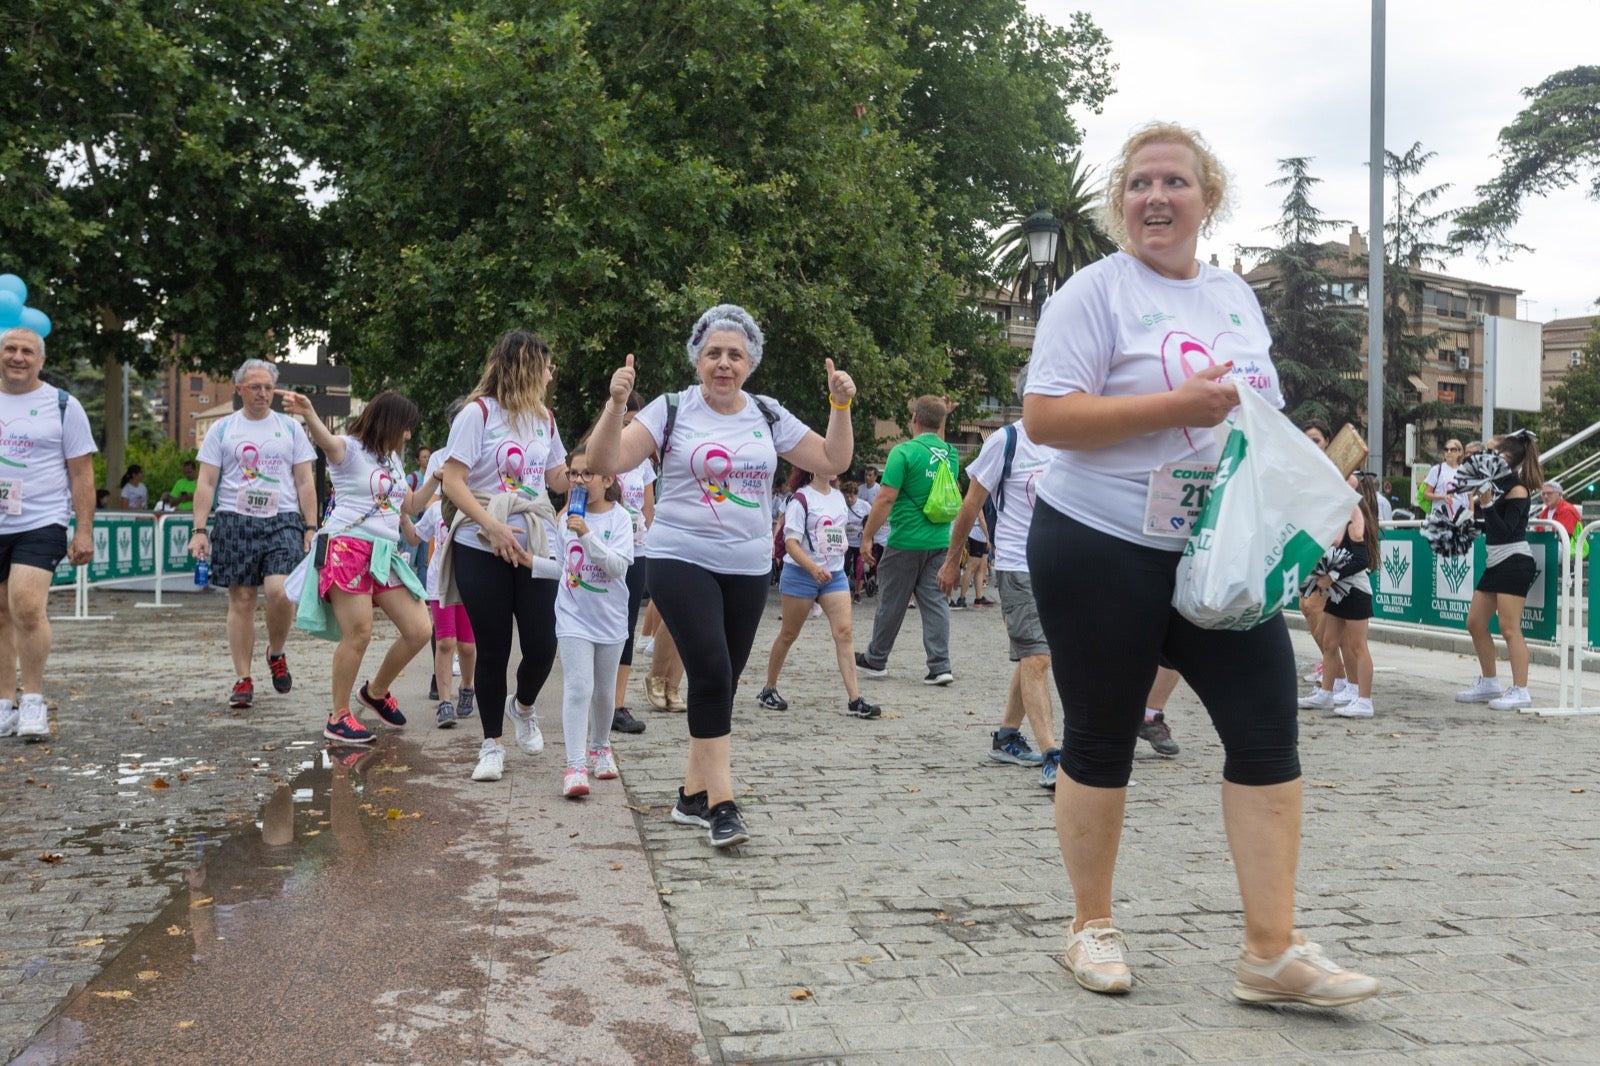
point(578, 501)
point(202, 573)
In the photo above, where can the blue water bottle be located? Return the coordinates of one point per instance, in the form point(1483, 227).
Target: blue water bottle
point(578, 501)
point(202, 573)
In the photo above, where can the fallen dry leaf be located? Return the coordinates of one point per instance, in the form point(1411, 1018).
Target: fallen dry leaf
point(121, 993)
point(49, 856)
point(149, 975)
point(175, 930)
point(395, 814)
point(189, 1024)
point(312, 833)
point(572, 835)
point(969, 923)
point(1575, 791)
point(864, 959)
point(160, 782)
point(91, 942)
point(664, 891)
point(387, 789)
point(618, 865)
point(941, 916)
point(800, 993)
point(203, 902)
point(913, 788)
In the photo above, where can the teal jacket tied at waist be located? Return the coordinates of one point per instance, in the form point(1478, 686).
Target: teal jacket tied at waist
point(388, 565)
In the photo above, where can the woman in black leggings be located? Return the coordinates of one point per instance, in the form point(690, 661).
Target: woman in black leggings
point(1126, 381)
point(709, 544)
point(504, 453)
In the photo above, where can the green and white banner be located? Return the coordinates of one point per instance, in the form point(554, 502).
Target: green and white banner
point(1415, 585)
point(125, 547)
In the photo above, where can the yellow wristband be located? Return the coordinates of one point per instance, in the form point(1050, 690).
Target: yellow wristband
point(841, 406)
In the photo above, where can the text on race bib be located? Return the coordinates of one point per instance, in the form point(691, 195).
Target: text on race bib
point(10, 495)
point(257, 503)
point(1177, 493)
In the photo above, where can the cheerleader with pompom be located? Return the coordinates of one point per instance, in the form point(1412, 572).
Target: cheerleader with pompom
point(1343, 576)
point(1501, 482)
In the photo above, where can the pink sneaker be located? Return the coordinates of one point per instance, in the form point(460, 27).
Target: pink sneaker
point(575, 784)
point(1303, 974)
point(602, 765)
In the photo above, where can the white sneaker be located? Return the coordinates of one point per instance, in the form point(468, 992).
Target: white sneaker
point(602, 764)
point(8, 718)
point(491, 761)
point(645, 645)
point(33, 720)
point(1482, 691)
point(574, 783)
point(529, 739)
point(1344, 692)
point(1320, 700)
point(1356, 708)
point(1514, 698)
point(1095, 957)
point(1315, 675)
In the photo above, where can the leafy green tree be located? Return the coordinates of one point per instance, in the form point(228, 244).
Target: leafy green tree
point(1316, 339)
point(1546, 148)
point(990, 103)
point(1081, 242)
point(152, 158)
point(1414, 216)
point(1575, 402)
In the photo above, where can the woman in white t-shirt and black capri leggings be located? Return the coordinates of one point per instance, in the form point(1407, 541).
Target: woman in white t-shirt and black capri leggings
point(709, 545)
point(1126, 380)
point(505, 441)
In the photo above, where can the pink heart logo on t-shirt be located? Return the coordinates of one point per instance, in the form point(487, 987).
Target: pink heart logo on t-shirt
point(511, 461)
point(713, 466)
point(382, 484)
point(1183, 355)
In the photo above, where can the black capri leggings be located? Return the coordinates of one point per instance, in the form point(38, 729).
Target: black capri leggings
point(712, 618)
point(1106, 607)
point(637, 574)
point(495, 593)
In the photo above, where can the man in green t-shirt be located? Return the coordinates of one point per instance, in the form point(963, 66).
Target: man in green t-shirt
point(916, 550)
point(183, 489)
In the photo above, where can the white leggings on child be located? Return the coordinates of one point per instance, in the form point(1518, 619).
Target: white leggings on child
point(588, 695)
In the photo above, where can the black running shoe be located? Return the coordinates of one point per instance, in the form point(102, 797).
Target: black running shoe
point(860, 708)
point(624, 722)
point(1155, 731)
point(278, 667)
point(769, 698)
point(691, 810)
point(727, 828)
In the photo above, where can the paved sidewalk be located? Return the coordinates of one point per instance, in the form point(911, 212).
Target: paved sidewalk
point(902, 899)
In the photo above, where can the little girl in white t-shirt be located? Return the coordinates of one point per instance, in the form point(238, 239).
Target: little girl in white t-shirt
point(596, 549)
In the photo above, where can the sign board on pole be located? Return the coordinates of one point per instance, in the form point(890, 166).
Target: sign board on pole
point(1516, 348)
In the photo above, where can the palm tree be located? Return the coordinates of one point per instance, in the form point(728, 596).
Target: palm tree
point(1082, 241)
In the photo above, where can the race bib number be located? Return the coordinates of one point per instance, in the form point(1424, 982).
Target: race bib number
point(833, 542)
point(638, 527)
point(1177, 493)
point(10, 495)
point(257, 503)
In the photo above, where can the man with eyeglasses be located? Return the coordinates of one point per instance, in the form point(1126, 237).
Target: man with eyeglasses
point(256, 480)
point(1555, 508)
point(1439, 479)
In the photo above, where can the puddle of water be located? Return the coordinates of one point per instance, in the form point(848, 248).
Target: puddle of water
point(278, 916)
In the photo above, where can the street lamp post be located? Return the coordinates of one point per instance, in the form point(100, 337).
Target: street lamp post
point(1043, 230)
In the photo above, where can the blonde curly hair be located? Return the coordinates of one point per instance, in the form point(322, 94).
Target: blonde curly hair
point(1213, 176)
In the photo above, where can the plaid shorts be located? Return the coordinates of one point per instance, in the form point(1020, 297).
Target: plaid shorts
point(245, 551)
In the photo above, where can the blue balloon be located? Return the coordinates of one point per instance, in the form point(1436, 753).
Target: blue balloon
point(10, 309)
point(12, 283)
point(36, 320)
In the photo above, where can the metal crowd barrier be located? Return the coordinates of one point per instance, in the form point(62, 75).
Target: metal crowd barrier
point(128, 547)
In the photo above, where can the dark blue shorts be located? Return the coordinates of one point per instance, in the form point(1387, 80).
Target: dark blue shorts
point(43, 548)
point(245, 551)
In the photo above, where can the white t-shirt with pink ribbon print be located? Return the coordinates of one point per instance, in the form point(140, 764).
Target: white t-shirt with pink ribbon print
point(819, 525)
point(1028, 464)
point(368, 492)
point(718, 470)
point(36, 439)
point(502, 456)
point(255, 460)
point(1117, 328)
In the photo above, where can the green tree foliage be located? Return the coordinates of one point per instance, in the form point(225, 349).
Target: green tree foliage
point(1316, 339)
point(151, 156)
point(603, 171)
point(990, 101)
point(1548, 147)
point(1081, 243)
point(1409, 244)
point(1575, 402)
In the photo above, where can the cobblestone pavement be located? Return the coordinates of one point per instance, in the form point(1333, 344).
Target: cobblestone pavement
point(902, 899)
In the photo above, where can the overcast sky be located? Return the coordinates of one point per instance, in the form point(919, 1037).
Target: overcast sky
point(1267, 79)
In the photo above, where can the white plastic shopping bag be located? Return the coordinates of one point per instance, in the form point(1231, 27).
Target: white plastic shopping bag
point(1276, 504)
point(295, 583)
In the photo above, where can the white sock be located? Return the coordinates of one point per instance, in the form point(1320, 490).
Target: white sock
point(1150, 714)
